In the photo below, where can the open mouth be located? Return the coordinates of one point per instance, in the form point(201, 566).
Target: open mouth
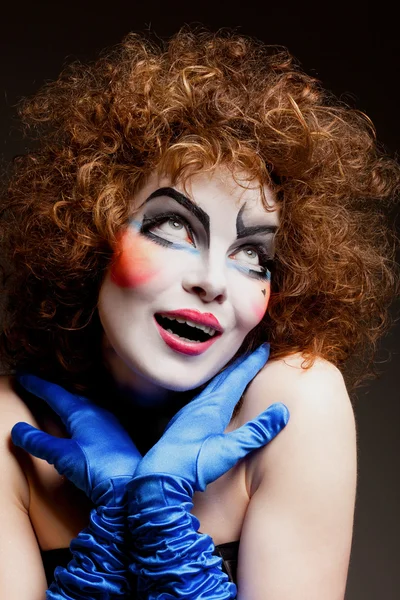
point(185, 329)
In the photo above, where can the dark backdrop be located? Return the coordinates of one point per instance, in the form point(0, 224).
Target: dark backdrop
point(355, 51)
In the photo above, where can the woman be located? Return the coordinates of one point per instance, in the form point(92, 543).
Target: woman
point(175, 180)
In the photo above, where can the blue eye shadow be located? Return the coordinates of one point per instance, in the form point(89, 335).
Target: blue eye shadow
point(250, 272)
point(135, 224)
point(184, 246)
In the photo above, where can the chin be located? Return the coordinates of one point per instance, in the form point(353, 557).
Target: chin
point(183, 380)
point(145, 378)
point(153, 368)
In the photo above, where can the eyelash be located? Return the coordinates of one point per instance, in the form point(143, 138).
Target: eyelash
point(150, 222)
point(266, 262)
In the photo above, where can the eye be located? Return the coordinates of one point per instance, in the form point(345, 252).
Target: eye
point(248, 255)
point(254, 260)
point(174, 224)
point(170, 228)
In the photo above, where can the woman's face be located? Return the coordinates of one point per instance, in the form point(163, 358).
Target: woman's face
point(189, 279)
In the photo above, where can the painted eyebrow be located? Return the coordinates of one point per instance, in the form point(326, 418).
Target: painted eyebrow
point(184, 201)
point(243, 231)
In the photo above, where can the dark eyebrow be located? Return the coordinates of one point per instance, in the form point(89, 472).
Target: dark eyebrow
point(195, 210)
point(243, 231)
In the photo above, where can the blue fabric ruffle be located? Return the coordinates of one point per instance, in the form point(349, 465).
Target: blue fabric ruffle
point(100, 564)
point(170, 558)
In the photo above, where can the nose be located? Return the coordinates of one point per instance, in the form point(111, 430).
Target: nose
point(207, 281)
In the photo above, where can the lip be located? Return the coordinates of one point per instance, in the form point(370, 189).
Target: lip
point(196, 316)
point(179, 345)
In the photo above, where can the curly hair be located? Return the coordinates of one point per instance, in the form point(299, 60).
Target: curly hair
point(193, 103)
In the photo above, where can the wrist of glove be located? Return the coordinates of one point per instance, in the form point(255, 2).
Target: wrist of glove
point(100, 564)
point(167, 551)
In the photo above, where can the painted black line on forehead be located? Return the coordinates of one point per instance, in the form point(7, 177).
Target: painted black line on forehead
point(195, 210)
point(243, 231)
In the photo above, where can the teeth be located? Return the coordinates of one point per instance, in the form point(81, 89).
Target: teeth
point(182, 338)
point(209, 330)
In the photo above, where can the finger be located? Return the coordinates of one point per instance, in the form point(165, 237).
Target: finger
point(221, 452)
point(241, 371)
point(231, 383)
point(40, 444)
point(61, 401)
point(223, 393)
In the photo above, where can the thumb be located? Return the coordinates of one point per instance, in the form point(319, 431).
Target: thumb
point(240, 372)
point(219, 453)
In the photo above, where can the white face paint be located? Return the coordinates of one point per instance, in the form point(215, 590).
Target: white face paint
point(202, 260)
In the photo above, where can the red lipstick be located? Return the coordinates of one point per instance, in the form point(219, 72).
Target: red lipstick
point(175, 342)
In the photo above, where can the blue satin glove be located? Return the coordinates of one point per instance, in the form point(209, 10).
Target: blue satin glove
point(99, 458)
point(169, 556)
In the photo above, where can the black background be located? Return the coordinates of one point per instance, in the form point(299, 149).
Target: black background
point(354, 49)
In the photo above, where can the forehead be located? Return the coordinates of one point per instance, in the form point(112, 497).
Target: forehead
point(219, 193)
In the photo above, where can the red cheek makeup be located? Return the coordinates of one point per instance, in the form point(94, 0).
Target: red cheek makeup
point(134, 261)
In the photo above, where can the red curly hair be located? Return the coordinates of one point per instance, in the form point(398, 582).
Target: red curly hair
point(199, 101)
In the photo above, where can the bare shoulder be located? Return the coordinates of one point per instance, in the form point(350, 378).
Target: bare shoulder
point(10, 401)
point(302, 485)
point(309, 392)
point(12, 410)
point(321, 425)
point(18, 540)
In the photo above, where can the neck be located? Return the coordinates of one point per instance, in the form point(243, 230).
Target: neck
point(143, 407)
point(135, 389)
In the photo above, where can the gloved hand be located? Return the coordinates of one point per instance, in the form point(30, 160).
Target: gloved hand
point(99, 458)
point(99, 452)
point(168, 554)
